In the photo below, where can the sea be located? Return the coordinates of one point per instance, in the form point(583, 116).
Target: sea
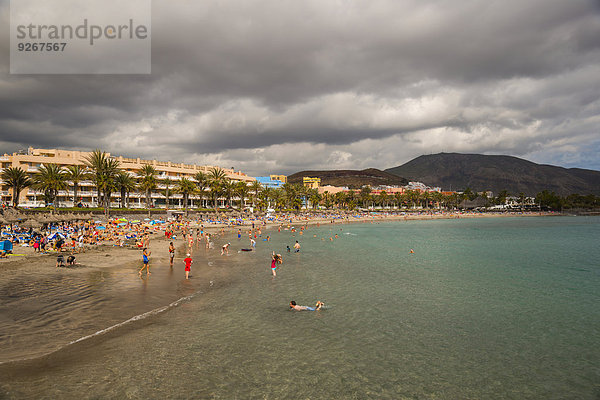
point(468, 308)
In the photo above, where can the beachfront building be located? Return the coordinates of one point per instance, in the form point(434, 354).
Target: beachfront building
point(272, 181)
point(281, 178)
point(332, 189)
point(167, 171)
point(311, 183)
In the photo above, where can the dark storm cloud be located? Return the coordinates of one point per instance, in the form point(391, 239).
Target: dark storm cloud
point(352, 83)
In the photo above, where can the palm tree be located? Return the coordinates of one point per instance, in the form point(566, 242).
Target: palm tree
point(104, 170)
point(96, 162)
point(201, 182)
point(50, 179)
point(167, 183)
point(383, 197)
point(413, 196)
point(216, 181)
point(315, 198)
point(18, 180)
point(229, 191)
point(125, 183)
point(107, 185)
point(185, 187)
point(148, 182)
point(365, 195)
point(255, 188)
point(242, 190)
point(201, 179)
point(76, 174)
point(437, 198)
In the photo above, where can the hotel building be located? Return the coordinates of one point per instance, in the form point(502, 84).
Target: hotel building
point(32, 159)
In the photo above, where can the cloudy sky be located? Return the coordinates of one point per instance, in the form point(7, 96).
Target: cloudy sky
point(279, 86)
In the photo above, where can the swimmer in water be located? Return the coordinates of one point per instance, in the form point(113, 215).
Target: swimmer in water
point(294, 306)
point(411, 251)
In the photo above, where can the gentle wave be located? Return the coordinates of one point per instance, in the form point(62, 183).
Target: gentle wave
point(135, 318)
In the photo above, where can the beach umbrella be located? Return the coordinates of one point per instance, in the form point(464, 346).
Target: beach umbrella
point(32, 223)
point(11, 218)
point(41, 218)
point(56, 235)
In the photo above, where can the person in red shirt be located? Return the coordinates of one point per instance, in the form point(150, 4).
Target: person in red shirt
point(188, 265)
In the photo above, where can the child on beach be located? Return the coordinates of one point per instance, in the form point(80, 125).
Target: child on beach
point(146, 261)
point(275, 258)
point(188, 265)
point(225, 249)
point(171, 253)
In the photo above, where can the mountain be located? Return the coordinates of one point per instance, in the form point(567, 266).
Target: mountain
point(453, 171)
point(351, 178)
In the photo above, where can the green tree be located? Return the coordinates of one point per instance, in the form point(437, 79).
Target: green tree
point(50, 178)
point(255, 188)
point(17, 179)
point(185, 187)
point(413, 196)
point(229, 191)
point(76, 174)
point(148, 182)
point(501, 198)
point(216, 182)
point(104, 170)
point(242, 190)
point(365, 196)
point(201, 181)
point(549, 200)
point(315, 198)
point(124, 183)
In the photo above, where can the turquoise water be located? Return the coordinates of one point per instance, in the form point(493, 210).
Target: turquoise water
point(502, 308)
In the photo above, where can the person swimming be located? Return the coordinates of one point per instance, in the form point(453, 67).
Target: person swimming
point(296, 307)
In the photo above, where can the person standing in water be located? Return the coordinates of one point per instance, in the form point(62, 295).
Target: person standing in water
point(146, 261)
point(171, 253)
point(188, 265)
point(275, 258)
point(296, 247)
point(225, 249)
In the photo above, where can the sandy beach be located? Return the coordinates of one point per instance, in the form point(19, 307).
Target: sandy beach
point(104, 289)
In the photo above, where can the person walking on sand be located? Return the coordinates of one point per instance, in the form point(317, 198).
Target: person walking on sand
point(145, 260)
point(171, 253)
point(188, 265)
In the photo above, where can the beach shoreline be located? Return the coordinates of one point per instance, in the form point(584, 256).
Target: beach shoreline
point(127, 260)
